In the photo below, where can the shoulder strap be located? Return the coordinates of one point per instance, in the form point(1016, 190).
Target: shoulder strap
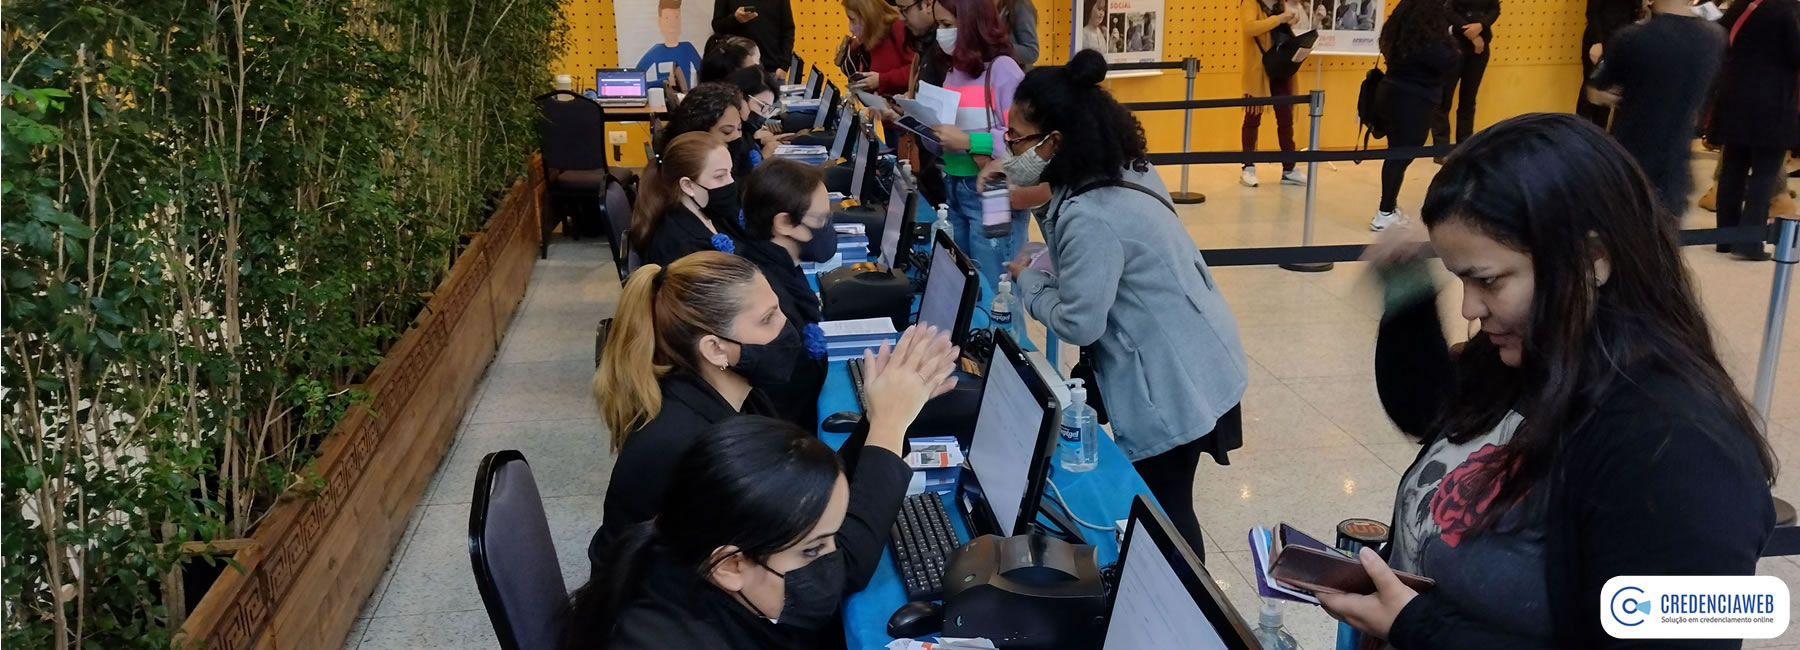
point(1739, 23)
point(987, 89)
point(1113, 183)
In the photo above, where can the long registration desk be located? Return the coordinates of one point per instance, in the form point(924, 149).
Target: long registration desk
point(1100, 496)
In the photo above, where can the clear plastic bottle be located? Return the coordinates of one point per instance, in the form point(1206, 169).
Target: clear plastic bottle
point(1080, 446)
point(1000, 313)
point(1269, 632)
point(942, 224)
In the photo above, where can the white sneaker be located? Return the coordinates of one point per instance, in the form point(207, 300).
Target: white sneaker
point(1293, 177)
point(1384, 220)
point(1249, 177)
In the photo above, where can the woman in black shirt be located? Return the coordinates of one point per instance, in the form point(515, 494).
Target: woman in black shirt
point(1756, 114)
point(1587, 432)
point(686, 203)
point(694, 344)
point(1420, 52)
point(787, 220)
point(754, 548)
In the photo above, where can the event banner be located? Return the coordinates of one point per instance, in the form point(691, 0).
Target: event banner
point(1346, 27)
point(1126, 31)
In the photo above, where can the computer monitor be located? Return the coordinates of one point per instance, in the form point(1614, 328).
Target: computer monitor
point(844, 126)
point(950, 290)
point(863, 141)
point(1165, 599)
point(896, 228)
point(825, 107)
point(795, 68)
point(815, 82)
point(1015, 435)
point(615, 84)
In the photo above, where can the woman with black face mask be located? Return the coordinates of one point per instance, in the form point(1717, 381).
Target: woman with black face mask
point(687, 203)
point(787, 220)
point(693, 344)
point(760, 138)
point(753, 548)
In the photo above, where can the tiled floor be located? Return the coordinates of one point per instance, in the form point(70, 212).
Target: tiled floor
point(1318, 448)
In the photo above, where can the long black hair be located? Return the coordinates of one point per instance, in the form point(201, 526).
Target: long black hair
point(1100, 137)
point(1414, 26)
point(756, 483)
point(1558, 189)
point(725, 54)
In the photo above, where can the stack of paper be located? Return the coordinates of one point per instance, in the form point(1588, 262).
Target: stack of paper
point(811, 154)
point(846, 339)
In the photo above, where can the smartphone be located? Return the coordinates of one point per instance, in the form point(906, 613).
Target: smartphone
point(1330, 572)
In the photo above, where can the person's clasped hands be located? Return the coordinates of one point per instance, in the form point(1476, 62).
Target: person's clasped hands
point(898, 381)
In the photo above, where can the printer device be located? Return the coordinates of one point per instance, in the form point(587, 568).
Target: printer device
point(1025, 591)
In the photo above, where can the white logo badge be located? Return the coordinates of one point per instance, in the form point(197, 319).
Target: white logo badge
point(1694, 607)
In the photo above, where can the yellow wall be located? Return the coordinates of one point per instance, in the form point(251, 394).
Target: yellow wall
point(1535, 65)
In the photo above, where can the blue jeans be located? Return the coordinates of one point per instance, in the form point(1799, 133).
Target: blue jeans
point(989, 254)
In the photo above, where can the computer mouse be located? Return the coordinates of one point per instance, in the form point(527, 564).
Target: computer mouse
point(916, 619)
point(841, 422)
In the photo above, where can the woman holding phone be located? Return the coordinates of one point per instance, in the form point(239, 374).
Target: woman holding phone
point(980, 68)
point(1587, 431)
point(880, 35)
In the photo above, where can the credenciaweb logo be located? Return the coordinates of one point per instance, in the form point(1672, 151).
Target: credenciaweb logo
point(1694, 607)
point(1630, 607)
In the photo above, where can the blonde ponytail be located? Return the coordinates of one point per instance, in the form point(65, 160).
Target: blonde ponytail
point(662, 314)
point(625, 384)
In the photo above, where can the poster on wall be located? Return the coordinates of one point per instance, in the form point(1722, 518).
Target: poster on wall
point(1126, 31)
point(663, 40)
point(1346, 27)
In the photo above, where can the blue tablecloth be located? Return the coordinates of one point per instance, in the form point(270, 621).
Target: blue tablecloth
point(1099, 496)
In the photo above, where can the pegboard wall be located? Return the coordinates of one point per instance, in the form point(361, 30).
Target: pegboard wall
point(592, 39)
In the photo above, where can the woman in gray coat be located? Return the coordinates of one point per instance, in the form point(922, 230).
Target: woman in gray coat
point(1126, 282)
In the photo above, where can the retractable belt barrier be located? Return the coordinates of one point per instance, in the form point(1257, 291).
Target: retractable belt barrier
point(1149, 65)
point(1285, 255)
point(1229, 102)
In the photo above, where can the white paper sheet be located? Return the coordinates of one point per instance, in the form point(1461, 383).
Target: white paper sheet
point(942, 101)
point(857, 326)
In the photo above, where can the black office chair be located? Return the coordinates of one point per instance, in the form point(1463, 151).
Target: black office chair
point(572, 136)
point(516, 568)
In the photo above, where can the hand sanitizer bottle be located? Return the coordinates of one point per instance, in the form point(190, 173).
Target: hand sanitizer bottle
point(942, 224)
point(1269, 631)
point(1000, 313)
point(1080, 448)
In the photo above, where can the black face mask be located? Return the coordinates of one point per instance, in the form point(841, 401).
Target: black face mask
point(822, 247)
point(768, 364)
point(722, 204)
point(754, 123)
point(810, 594)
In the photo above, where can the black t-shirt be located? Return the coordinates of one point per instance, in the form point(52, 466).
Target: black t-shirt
point(1663, 70)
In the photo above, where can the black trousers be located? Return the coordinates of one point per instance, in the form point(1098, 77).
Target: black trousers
point(1600, 115)
point(1409, 114)
point(1461, 85)
point(1170, 476)
point(1747, 178)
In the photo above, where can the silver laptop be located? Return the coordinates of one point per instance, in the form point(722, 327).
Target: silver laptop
point(622, 88)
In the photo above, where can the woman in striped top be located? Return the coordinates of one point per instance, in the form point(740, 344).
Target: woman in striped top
point(981, 68)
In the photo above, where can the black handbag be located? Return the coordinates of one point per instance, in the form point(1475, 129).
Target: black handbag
point(1278, 60)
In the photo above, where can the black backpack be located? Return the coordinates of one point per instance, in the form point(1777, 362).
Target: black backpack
point(1374, 125)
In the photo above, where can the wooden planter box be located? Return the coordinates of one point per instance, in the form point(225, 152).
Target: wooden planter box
point(313, 561)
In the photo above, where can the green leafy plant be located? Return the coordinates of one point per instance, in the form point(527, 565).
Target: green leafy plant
point(217, 216)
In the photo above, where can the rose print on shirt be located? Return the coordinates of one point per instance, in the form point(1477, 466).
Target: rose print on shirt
point(1464, 496)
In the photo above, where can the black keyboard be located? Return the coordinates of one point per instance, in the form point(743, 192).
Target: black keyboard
point(923, 542)
point(856, 382)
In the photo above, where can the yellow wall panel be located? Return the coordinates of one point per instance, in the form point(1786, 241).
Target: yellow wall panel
point(1535, 65)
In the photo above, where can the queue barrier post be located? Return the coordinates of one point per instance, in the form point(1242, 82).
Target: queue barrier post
point(1317, 106)
point(1785, 257)
point(1191, 66)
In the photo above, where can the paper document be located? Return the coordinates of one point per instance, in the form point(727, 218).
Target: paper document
point(858, 327)
point(941, 101)
point(849, 228)
point(874, 101)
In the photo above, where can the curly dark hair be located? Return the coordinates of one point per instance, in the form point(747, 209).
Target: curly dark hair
point(1100, 137)
point(1413, 25)
point(701, 109)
